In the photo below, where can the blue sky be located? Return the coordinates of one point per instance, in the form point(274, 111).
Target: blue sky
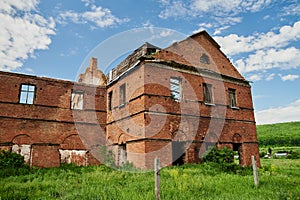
point(261, 38)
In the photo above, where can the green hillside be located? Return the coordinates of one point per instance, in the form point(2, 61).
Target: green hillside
point(282, 134)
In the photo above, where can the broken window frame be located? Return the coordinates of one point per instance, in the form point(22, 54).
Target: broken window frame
point(232, 98)
point(122, 99)
point(175, 88)
point(79, 95)
point(27, 94)
point(208, 94)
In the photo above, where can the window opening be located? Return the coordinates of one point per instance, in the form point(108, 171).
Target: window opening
point(77, 100)
point(27, 94)
point(175, 88)
point(232, 98)
point(122, 94)
point(178, 153)
point(110, 100)
point(237, 148)
point(207, 92)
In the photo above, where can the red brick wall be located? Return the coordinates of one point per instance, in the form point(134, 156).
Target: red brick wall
point(160, 117)
point(49, 120)
point(189, 51)
point(45, 155)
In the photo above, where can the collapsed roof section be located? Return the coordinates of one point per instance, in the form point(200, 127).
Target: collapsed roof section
point(198, 51)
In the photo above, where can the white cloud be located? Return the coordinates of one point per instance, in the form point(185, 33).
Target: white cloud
point(267, 50)
point(148, 25)
point(234, 44)
point(269, 59)
point(220, 29)
point(266, 17)
point(229, 6)
point(219, 24)
point(289, 77)
point(255, 77)
point(23, 32)
point(222, 13)
point(270, 77)
point(286, 113)
point(166, 33)
point(228, 20)
point(197, 8)
point(261, 76)
point(173, 9)
point(13, 6)
point(203, 26)
point(292, 9)
point(164, 1)
point(101, 17)
point(88, 2)
point(29, 70)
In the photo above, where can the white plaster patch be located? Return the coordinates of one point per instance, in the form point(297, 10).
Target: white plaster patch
point(79, 157)
point(24, 150)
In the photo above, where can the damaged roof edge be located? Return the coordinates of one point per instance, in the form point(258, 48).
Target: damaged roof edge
point(131, 61)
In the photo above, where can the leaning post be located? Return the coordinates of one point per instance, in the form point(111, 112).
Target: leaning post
point(255, 173)
point(157, 178)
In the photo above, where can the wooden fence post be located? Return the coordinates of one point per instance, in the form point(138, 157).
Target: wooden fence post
point(255, 173)
point(157, 178)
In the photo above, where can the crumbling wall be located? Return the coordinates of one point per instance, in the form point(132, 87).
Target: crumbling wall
point(24, 150)
point(79, 157)
point(37, 131)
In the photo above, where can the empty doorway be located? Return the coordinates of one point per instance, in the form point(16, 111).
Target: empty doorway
point(178, 153)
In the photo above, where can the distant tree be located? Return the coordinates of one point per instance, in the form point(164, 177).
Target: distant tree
point(270, 151)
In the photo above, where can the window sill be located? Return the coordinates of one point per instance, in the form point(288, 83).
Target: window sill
point(122, 105)
point(209, 104)
point(77, 109)
point(235, 108)
point(26, 103)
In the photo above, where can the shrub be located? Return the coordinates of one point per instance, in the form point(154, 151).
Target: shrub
point(107, 156)
point(223, 161)
point(12, 164)
point(215, 155)
point(11, 160)
point(129, 167)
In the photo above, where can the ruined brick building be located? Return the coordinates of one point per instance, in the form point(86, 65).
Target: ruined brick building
point(172, 103)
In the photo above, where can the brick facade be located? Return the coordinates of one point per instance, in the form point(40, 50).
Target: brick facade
point(136, 110)
point(152, 123)
point(48, 125)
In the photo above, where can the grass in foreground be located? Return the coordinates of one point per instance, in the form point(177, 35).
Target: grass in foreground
point(279, 179)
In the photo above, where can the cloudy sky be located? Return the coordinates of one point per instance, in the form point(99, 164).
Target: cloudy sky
point(260, 37)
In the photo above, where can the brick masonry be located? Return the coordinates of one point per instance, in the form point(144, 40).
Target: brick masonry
point(151, 123)
point(49, 124)
point(140, 124)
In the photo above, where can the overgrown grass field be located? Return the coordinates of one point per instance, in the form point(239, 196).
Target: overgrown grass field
point(279, 179)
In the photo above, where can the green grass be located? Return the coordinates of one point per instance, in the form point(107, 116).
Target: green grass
point(279, 179)
point(282, 134)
